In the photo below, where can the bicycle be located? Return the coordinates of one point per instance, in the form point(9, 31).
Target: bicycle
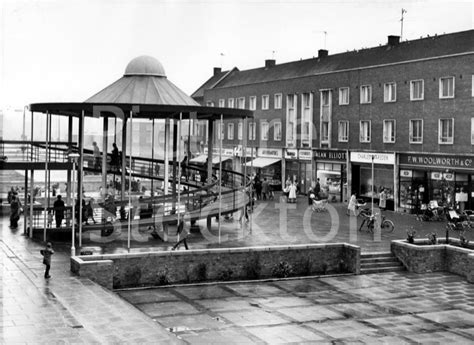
point(369, 220)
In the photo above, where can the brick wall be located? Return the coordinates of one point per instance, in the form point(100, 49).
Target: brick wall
point(156, 268)
point(421, 257)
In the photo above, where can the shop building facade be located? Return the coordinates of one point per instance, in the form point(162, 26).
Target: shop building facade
point(409, 104)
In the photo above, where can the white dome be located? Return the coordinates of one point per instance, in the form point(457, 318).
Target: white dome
point(145, 65)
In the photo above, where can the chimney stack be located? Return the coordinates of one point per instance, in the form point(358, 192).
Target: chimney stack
point(270, 63)
point(393, 40)
point(322, 53)
point(217, 70)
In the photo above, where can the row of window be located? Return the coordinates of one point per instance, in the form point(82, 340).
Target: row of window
point(415, 131)
point(446, 90)
point(445, 131)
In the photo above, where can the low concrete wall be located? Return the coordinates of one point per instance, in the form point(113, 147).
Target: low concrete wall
point(420, 257)
point(159, 268)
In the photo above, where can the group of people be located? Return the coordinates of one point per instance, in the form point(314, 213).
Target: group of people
point(263, 190)
point(354, 204)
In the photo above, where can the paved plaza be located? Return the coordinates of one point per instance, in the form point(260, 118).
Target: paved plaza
point(379, 308)
point(390, 308)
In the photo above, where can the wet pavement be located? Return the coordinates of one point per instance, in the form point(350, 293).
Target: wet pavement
point(390, 308)
point(379, 308)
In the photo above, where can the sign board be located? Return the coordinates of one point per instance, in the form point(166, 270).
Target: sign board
point(238, 151)
point(378, 157)
point(443, 161)
point(331, 155)
point(269, 153)
point(291, 154)
point(305, 155)
point(406, 173)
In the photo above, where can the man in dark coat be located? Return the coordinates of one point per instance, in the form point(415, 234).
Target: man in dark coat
point(59, 210)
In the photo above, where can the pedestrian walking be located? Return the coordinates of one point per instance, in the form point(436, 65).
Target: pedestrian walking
point(352, 205)
point(58, 210)
point(96, 155)
point(47, 252)
point(89, 211)
point(15, 210)
point(383, 199)
point(50, 218)
point(115, 157)
point(292, 193)
point(317, 188)
point(183, 233)
point(310, 196)
point(265, 189)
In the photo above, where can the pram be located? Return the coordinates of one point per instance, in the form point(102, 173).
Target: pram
point(319, 205)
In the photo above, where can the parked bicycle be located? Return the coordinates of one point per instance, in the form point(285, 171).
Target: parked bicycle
point(370, 220)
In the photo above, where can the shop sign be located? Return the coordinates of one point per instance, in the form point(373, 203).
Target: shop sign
point(378, 157)
point(291, 154)
point(331, 155)
point(224, 152)
point(270, 153)
point(444, 161)
point(238, 151)
point(305, 155)
point(406, 173)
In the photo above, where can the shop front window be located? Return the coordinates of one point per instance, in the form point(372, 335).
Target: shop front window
point(383, 179)
point(330, 180)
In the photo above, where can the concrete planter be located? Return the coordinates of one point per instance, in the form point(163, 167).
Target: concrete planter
point(421, 257)
point(160, 268)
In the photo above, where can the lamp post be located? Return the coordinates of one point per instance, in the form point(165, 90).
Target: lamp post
point(372, 211)
point(73, 157)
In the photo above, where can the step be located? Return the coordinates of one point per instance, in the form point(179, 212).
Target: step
point(382, 270)
point(381, 260)
point(381, 265)
point(376, 255)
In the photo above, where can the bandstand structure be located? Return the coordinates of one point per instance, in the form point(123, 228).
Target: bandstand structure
point(143, 93)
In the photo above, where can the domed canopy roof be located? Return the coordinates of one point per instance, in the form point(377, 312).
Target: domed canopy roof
point(144, 82)
point(145, 65)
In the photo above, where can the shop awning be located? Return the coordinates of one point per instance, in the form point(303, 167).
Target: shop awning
point(262, 162)
point(202, 159)
point(198, 159)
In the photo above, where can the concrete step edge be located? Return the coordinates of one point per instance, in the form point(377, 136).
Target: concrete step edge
point(376, 254)
point(381, 270)
point(381, 265)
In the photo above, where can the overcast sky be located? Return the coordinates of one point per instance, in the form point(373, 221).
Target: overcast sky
point(54, 50)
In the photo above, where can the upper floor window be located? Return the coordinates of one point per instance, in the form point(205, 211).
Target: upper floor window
point(239, 130)
point(343, 131)
point(325, 98)
point(324, 132)
point(277, 131)
point(230, 131)
point(278, 99)
point(389, 92)
point(220, 130)
point(343, 96)
point(264, 129)
point(388, 131)
point(416, 90)
point(252, 131)
point(472, 130)
point(253, 102)
point(265, 102)
point(364, 133)
point(446, 131)
point(416, 131)
point(472, 88)
point(210, 103)
point(365, 94)
point(222, 103)
point(230, 102)
point(446, 87)
point(241, 102)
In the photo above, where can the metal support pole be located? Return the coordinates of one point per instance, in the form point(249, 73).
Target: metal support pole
point(130, 215)
point(220, 173)
point(46, 177)
point(73, 248)
point(31, 202)
point(372, 185)
point(153, 169)
point(81, 174)
point(167, 156)
point(105, 144)
point(179, 167)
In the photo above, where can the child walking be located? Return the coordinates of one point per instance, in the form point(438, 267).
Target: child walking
point(47, 252)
